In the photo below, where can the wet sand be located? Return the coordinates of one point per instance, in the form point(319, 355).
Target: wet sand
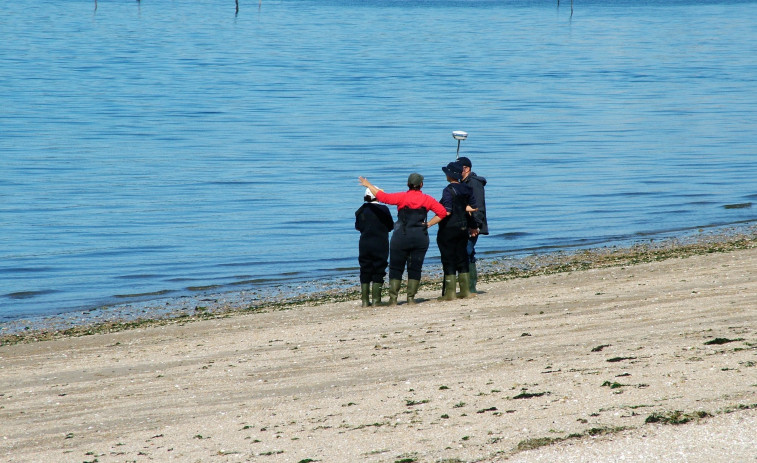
point(587, 365)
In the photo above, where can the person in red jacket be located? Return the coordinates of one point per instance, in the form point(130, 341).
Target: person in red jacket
point(409, 241)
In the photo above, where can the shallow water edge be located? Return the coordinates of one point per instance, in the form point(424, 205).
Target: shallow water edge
point(285, 297)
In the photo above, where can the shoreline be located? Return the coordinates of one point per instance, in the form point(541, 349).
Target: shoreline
point(648, 358)
point(208, 306)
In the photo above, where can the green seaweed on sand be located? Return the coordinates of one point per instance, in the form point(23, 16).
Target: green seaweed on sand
point(530, 395)
point(411, 403)
point(719, 341)
point(490, 409)
point(497, 270)
point(535, 443)
point(620, 256)
point(612, 385)
point(676, 417)
point(620, 359)
point(600, 347)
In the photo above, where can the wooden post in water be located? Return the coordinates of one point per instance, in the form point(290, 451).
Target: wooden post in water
point(558, 6)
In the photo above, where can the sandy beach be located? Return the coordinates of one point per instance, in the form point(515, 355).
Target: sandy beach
point(647, 362)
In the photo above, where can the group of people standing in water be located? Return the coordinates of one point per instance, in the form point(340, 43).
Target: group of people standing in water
point(460, 214)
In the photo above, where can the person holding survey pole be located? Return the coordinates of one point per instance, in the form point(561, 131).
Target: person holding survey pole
point(477, 183)
point(409, 241)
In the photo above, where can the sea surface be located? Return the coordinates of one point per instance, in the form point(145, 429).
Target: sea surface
point(159, 149)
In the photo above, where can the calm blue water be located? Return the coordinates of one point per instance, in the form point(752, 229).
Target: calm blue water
point(163, 148)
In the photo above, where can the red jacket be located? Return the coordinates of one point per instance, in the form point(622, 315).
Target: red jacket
point(414, 200)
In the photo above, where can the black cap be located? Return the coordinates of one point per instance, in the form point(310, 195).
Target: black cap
point(465, 162)
point(454, 170)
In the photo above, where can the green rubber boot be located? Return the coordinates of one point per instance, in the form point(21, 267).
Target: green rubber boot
point(376, 293)
point(412, 290)
point(448, 288)
point(464, 279)
point(365, 293)
point(473, 277)
point(394, 290)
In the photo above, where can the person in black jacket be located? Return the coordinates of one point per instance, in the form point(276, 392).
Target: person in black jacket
point(374, 221)
point(477, 184)
point(454, 230)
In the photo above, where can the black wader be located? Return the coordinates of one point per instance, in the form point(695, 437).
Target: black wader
point(452, 237)
point(374, 222)
point(409, 244)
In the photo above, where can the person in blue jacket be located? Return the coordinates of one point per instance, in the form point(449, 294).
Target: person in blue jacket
point(452, 238)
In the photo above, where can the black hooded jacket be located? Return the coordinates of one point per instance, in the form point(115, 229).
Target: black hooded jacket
point(477, 184)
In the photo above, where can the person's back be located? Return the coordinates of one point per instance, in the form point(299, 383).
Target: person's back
point(454, 230)
point(374, 221)
point(462, 196)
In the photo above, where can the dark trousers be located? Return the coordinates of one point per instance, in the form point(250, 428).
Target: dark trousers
point(472, 249)
point(372, 260)
point(453, 248)
point(407, 248)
